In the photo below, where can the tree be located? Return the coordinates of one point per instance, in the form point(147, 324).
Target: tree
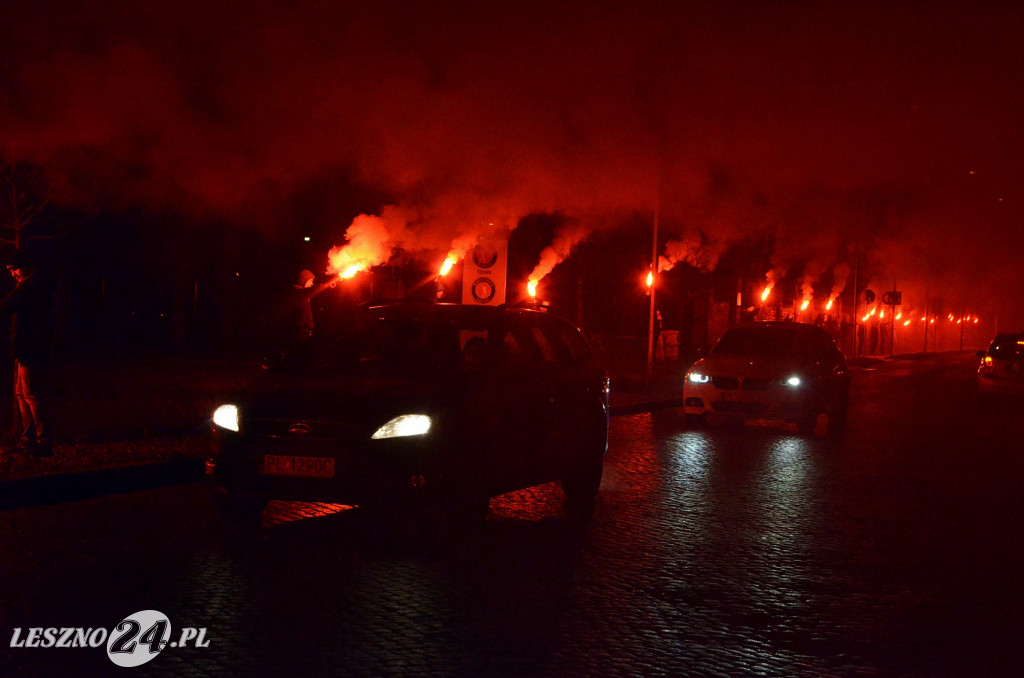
point(24, 196)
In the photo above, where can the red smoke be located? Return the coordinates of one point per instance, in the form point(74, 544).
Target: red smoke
point(809, 124)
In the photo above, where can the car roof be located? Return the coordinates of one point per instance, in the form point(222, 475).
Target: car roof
point(779, 326)
point(1004, 339)
point(426, 309)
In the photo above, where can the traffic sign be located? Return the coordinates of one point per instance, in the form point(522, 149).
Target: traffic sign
point(483, 281)
point(893, 298)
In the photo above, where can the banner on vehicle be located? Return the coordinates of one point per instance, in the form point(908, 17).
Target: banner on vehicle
point(484, 273)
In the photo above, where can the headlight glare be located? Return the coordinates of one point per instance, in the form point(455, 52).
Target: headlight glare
point(698, 378)
point(404, 425)
point(226, 416)
point(793, 381)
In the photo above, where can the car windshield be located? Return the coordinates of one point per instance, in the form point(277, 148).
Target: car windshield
point(1008, 348)
point(386, 344)
point(768, 342)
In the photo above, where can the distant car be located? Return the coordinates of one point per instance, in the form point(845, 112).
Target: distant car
point(416, 406)
point(771, 370)
point(1002, 365)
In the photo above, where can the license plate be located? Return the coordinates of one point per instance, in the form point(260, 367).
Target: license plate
point(307, 467)
point(733, 396)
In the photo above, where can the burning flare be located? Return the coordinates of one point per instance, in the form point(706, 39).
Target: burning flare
point(772, 277)
point(828, 306)
point(351, 271)
point(531, 288)
point(450, 261)
point(368, 245)
point(805, 304)
point(568, 236)
point(650, 279)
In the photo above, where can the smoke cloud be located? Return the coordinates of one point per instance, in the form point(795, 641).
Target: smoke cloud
point(818, 126)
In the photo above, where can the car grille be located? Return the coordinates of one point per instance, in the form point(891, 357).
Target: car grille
point(734, 383)
point(303, 429)
point(725, 383)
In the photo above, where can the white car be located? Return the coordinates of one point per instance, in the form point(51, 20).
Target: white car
point(771, 370)
point(1002, 365)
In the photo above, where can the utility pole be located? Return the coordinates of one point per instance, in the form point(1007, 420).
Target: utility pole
point(962, 323)
point(926, 292)
point(892, 323)
point(856, 297)
point(654, 287)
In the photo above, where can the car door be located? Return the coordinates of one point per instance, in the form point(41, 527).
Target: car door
point(831, 370)
point(573, 391)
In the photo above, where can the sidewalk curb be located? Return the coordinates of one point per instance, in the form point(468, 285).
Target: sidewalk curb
point(64, 487)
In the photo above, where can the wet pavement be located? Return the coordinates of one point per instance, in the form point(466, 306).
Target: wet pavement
point(893, 549)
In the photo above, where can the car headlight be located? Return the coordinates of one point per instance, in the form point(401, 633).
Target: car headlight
point(404, 425)
point(793, 381)
point(226, 416)
point(698, 377)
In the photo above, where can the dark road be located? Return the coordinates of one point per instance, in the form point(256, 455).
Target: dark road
point(891, 549)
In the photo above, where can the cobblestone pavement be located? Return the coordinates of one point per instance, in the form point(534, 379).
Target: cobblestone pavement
point(893, 549)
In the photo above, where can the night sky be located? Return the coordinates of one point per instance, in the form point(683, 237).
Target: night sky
point(893, 129)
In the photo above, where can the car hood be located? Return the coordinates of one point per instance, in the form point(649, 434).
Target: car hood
point(343, 398)
point(759, 368)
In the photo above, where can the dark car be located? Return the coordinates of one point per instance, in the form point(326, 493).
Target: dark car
point(413, 406)
point(1002, 366)
point(771, 370)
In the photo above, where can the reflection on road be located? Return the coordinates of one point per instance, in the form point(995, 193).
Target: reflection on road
point(890, 550)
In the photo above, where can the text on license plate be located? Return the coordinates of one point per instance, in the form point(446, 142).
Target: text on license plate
point(310, 467)
point(733, 396)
